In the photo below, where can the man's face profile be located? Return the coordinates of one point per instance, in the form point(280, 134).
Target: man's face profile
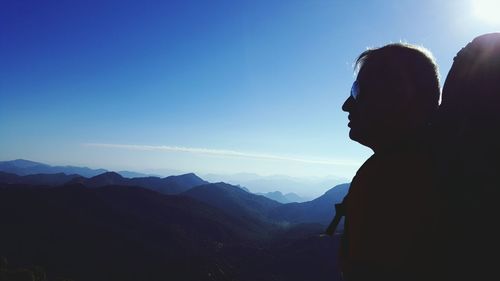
point(371, 110)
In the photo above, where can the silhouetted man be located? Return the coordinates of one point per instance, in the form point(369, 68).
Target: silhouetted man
point(389, 208)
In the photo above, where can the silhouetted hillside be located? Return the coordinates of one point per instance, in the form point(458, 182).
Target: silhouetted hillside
point(118, 233)
point(319, 210)
point(302, 248)
point(8, 178)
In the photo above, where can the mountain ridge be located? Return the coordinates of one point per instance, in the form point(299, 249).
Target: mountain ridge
point(167, 185)
point(25, 167)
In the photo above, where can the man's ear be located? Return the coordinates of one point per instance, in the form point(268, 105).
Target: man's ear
point(404, 99)
point(408, 106)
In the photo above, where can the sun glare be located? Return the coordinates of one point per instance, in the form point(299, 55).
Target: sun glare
point(487, 10)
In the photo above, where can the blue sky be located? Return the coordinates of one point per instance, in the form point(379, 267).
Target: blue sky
point(204, 86)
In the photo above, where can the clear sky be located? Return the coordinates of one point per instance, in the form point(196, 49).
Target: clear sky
point(203, 86)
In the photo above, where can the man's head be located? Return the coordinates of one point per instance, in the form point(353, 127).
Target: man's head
point(395, 94)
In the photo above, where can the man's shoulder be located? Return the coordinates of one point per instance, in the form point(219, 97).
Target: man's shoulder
point(393, 170)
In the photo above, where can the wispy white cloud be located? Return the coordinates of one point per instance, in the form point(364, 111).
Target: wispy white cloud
point(228, 153)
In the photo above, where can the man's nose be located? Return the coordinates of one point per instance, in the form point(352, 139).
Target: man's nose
point(348, 104)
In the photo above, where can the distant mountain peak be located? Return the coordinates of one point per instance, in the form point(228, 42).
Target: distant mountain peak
point(282, 198)
point(227, 186)
point(189, 179)
point(112, 175)
point(188, 175)
point(276, 193)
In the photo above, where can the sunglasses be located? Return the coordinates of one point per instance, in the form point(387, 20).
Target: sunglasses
point(355, 90)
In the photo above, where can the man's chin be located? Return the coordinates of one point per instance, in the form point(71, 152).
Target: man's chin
point(353, 135)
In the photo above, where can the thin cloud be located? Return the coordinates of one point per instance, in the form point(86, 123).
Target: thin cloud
point(228, 153)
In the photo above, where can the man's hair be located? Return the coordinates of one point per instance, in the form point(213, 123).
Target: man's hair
point(403, 69)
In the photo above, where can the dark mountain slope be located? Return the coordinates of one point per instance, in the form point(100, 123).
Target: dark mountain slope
point(118, 233)
point(8, 177)
point(130, 233)
point(233, 200)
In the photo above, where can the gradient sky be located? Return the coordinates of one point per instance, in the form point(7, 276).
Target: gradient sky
point(203, 86)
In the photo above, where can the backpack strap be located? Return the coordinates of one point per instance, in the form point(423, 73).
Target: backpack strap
point(339, 213)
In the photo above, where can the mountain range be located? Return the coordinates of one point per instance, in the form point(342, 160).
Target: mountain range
point(26, 167)
point(227, 197)
point(109, 227)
